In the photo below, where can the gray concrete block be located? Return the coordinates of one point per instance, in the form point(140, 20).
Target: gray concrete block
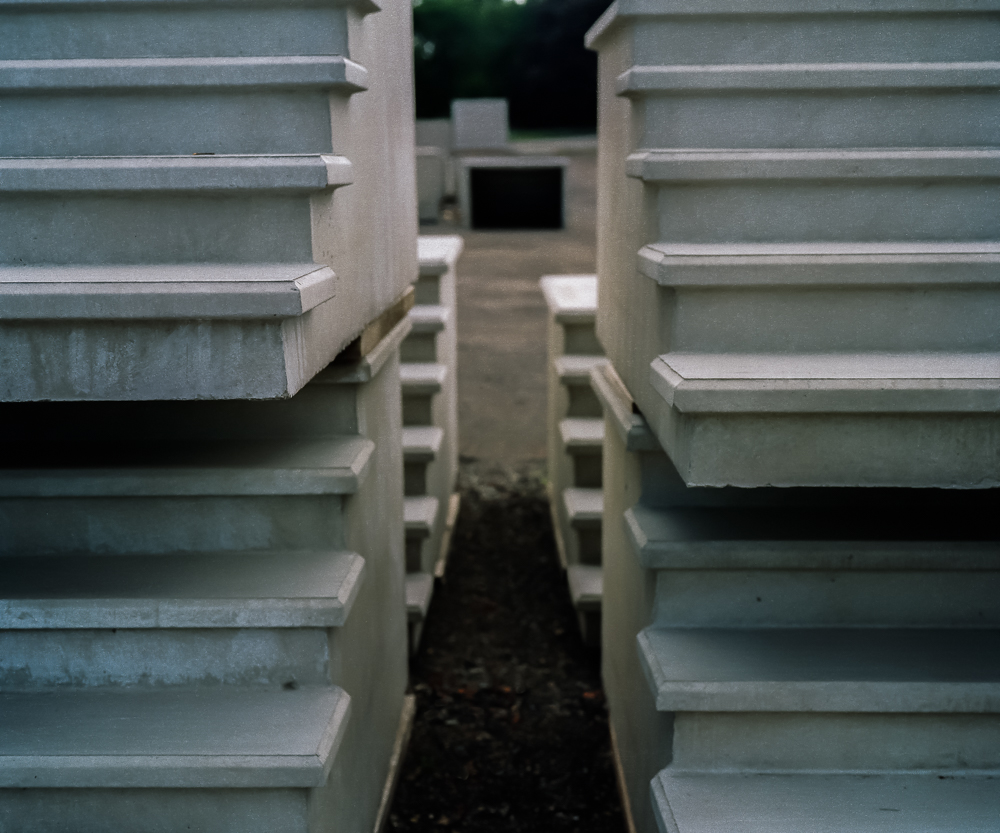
point(479, 123)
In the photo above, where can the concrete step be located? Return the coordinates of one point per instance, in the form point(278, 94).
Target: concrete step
point(571, 299)
point(420, 515)
point(861, 105)
point(236, 317)
point(88, 29)
point(575, 370)
point(209, 738)
point(176, 497)
point(438, 255)
point(582, 435)
point(828, 297)
point(862, 415)
point(823, 670)
point(584, 507)
point(768, 32)
point(802, 195)
point(421, 443)
point(164, 209)
point(429, 318)
point(419, 589)
point(805, 567)
point(181, 590)
point(706, 802)
point(162, 105)
point(586, 586)
point(422, 378)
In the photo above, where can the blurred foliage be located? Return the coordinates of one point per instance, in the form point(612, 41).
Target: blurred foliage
point(530, 52)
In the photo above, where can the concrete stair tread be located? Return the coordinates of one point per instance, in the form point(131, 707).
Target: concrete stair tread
point(828, 382)
point(132, 74)
point(582, 433)
point(419, 589)
point(575, 370)
point(422, 443)
point(572, 299)
point(639, 80)
point(181, 590)
point(822, 263)
point(429, 318)
point(196, 173)
point(422, 377)
point(145, 291)
point(823, 669)
point(203, 738)
point(419, 515)
point(335, 465)
point(794, 537)
point(584, 507)
point(586, 586)
point(438, 253)
point(814, 164)
point(707, 802)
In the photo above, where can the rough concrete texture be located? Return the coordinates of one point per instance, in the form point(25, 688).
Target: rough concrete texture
point(502, 318)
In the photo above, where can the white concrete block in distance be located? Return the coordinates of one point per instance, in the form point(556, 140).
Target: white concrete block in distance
point(479, 124)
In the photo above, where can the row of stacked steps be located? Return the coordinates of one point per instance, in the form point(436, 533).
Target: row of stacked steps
point(203, 613)
point(810, 262)
point(429, 375)
point(575, 428)
point(773, 663)
point(797, 263)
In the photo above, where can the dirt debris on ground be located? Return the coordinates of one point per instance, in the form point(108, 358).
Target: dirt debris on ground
point(511, 730)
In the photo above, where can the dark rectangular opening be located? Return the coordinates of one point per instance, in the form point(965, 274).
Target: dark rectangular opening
point(516, 198)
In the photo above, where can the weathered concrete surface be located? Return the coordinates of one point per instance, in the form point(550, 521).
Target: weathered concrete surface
point(502, 313)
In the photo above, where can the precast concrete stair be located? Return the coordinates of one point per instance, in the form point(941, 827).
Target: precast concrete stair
point(181, 496)
point(179, 590)
point(421, 446)
point(822, 803)
point(138, 80)
point(582, 439)
point(167, 759)
point(421, 382)
point(760, 195)
point(164, 105)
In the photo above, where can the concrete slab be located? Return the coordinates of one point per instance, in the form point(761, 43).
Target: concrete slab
point(824, 803)
point(584, 507)
point(918, 670)
point(218, 737)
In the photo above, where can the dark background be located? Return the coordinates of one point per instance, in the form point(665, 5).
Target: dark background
point(532, 54)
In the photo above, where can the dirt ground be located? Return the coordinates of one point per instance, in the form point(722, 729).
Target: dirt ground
point(501, 322)
point(511, 730)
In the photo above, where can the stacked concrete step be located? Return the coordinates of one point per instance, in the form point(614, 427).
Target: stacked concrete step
point(575, 439)
point(430, 424)
point(832, 654)
point(202, 609)
point(797, 265)
point(810, 259)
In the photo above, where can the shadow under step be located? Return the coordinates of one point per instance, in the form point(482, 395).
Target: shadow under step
point(420, 515)
point(586, 587)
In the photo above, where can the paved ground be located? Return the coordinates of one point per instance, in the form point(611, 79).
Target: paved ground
point(501, 323)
